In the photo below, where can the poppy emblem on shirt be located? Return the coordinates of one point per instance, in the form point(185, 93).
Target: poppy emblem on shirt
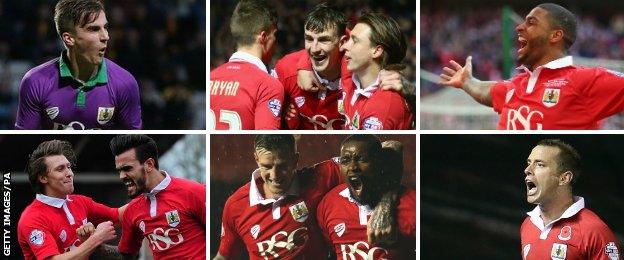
point(372, 123)
point(105, 114)
point(275, 106)
point(36, 237)
point(565, 233)
point(52, 112)
point(612, 251)
point(551, 97)
point(340, 229)
point(558, 251)
point(300, 101)
point(255, 230)
point(299, 211)
point(173, 219)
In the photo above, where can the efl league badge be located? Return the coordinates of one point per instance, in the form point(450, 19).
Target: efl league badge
point(372, 123)
point(173, 219)
point(558, 251)
point(299, 211)
point(36, 237)
point(525, 251)
point(551, 97)
point(612, 251)
point(52, 112)
point(105, 114)
point(565, 233)
point(340, 229)
point(275, 106)
point(300, 101)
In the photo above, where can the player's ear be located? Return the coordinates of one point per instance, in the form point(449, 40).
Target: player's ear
point(566, 178)
point(68, 39)
point(556, 36)
point(377, 51)
point(149, 164)
point(342, 41)
point(43, 178)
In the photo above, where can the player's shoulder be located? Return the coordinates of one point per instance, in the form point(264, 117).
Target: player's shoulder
point(408, 196)
point(116, 72)
point(182, 184)
point(77, 198)
point(287, 65)
point(239, 200)
point(334, 193)
point(43, 72)
point(590, 221)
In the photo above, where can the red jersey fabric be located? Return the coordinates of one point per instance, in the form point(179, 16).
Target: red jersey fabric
point(577, 234)
point(244, 96)
point(172, 217)
point(283, 228)
point(558, 95)
point(343, 223)
point(316, 110)
point(47, 227)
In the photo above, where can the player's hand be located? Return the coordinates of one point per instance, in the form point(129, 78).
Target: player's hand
point(390, 80)
point(308, 81)
point(381, 228)
point(456, 75)
point(85, 231)
point(291, 112)
point(104, 232)
point(393, 145)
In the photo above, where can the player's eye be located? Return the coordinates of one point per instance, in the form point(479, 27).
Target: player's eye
point(345, 160)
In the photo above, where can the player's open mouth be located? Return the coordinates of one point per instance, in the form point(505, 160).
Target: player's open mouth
point(531, 187)
point(522, 43)
point(129, 183)
point(356, 184)
point(319, 59)
point(102, 51)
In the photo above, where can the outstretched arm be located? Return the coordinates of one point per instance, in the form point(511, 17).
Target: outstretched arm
point(102, 233)
point(461, 77)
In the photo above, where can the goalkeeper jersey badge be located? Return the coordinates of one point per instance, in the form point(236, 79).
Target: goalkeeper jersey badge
point(105, 114)
point(558, 251)
point(299, 211)
point(551, 97)
point(173, 219)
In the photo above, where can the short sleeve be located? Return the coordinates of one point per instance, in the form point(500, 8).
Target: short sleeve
point(231, 243)
point(498, 93)
point(38, 238)
point(29, 109)
point(131, 237)
point(130, 105)
point(269, 107)
point(99, 213)
point(604, 92)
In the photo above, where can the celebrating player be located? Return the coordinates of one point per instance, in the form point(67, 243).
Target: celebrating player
point(242, 93)
point(273, 215)
point(560, 227)
point(170, 212)
point(47, 227)
point(550, 92)
point(81, 89)
point(342, 214)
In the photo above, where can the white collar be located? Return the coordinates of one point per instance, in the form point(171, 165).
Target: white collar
point(363, 210)
point(331, 85)
point(162, 185)
point(255, 197)
point(535, 214)
point(367, 92)
point(52, 201)
point(555, 64)
point(246, 57)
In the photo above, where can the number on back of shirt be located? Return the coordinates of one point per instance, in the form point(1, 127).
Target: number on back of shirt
point(231, 118)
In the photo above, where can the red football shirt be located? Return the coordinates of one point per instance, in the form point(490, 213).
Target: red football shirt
point(47, 227)
point(577, 234)
point(317, 110)
point(558, 95)
point(244, 96)
point(173, 219)
point(283, 228)
point(343, 223)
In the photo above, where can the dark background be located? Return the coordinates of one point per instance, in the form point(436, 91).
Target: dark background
point(473, 196)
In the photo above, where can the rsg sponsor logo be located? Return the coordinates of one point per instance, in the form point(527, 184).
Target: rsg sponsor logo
point(361, 249)
point(283, 244)
point(163, 239)
point(522, 117)
point(321, 122)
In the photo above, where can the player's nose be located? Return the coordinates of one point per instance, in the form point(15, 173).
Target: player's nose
point(104, 37)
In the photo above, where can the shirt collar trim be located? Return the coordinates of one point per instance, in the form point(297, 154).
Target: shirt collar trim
point(100, 77)
point(246, 57)
point(52, 201)
point(331, 85)
point(535, 214)
point(255, 197)
point(555, 64)
point(162, 185)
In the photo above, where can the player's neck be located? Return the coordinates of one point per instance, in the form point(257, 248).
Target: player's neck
point(550, 56)
point(81, 69)
point(154, 179)
point(368, 75)
point(330, 74)
point(254, 49)
point(554, 209)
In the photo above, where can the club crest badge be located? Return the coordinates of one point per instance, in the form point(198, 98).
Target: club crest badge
point(612, 251)
point(36, 237)
point(275, 106)
point(255, 230)
point(52, 112)
point(558, 251)
point(173, 219)
point(565, 233)
point(551, 97)
point(340, 229)
point(299, 211)
point(105, 114)
point(300, 101)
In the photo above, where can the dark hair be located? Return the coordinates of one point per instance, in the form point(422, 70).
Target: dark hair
point(324, 17)
point(386, 32)
point(372, 142)
point(568, 158)
point(249, 18)
point(561, 18)
point(144, 146)
point(36, 162)
point(69, 13)
point(275, 143)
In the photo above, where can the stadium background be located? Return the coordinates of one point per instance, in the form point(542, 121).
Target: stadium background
point(453, 29)
point(291, 19)
point(232, 162)
point(473, 196)
point(162, 43)
point(94, 175)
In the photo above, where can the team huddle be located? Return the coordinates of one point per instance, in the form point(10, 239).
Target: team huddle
point(169, 212)
point(345, 78)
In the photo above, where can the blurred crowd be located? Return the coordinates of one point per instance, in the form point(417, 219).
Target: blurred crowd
point(290, 26)
point(161, 42)
point(454, 34)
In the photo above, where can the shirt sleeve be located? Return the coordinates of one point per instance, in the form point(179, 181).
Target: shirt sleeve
point(389, 115)
point(321, 216)
point(601, 244)
point(231, 243)
point(498, 92)
point(99, 213)
point(37, 236)
point(130, 106)
point(29, 109)
point(407, 214)
point(604, 92)
point(198, 200)
point(269, 107)
point(131, 237)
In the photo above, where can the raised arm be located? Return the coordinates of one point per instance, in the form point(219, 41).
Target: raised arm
point(104, 232)
point(461, 77)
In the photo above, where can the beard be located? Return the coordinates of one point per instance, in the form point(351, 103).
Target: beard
point(139, 185)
